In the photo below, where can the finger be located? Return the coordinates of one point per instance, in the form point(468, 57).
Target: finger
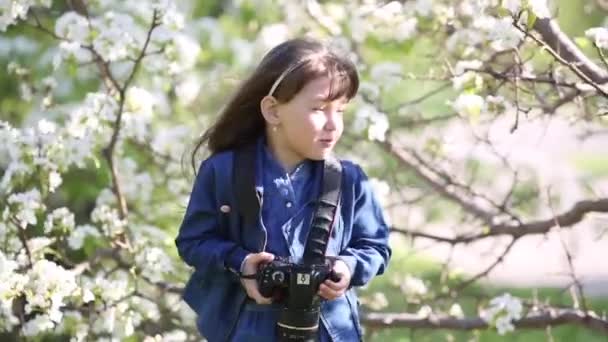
point(324, 293)
point(262, 257)
point(263, 300)
point(337, 286)
point(328, 292)
point(266, 256)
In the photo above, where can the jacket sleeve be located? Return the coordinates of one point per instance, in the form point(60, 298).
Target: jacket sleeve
point(202, 242)
point(367, 253)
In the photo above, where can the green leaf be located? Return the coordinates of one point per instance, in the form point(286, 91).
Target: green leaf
point(503, 12)
point(583, 42)
point(433, 146)
point(531, 19)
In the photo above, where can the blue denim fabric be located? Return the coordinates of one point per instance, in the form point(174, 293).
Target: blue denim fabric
point(284, 198)
point(213, 239)
point(288, 200)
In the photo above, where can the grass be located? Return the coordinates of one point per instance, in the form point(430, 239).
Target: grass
point(403, 263)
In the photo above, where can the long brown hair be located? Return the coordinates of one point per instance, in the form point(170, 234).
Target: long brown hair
point(298, 61)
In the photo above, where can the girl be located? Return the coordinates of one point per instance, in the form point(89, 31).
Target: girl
point(289, 112)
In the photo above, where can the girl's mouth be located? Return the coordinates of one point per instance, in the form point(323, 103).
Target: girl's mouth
point(327, 142)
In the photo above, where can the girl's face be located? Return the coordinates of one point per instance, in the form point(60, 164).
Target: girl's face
point(309, 126)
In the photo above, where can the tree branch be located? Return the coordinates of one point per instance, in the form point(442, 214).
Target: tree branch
point(572, 65)
point(566, 219)
point(549, 317)
point(554, 37)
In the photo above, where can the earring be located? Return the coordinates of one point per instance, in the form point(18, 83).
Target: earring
point(274, 128)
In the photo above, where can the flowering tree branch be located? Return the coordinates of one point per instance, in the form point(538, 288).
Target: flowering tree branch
point(108, 152)
point(535, 320)
point(566, 49)
point(576, 63)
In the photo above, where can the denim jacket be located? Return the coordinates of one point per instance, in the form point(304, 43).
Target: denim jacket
point(213, 240)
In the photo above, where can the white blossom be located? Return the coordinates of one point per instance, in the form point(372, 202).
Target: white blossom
point(424, 311)
point(55, 180)
point(147, 308)
point(27, 204)
point(98, 108)
point(137, 187)
point(76, 150)
point(61, 219)
point(377, 301)
point(117, 36)
point(37, 325)
point(406, 29)
point(7, 319)
point(109, 289)
point(386, 72)
point(73, 26)
point(599, 35)
point(68, 50)
point(171, 336)
point(413, 287)
point(183, 52)
point(118, 320)
point(109, 220)
point(154, 262)
point(243, 52)
point(456, 311)
point(46, 127)
point(500, 32)
point(423, 8)
point(538, 7)
point(139, 101)
point(388, 11)
point(12, 285)
point(80, 233)
point(37, 246)
point(469, 105)
point(138, 113)
point(14, 169)
point(502, 311)
point(49, 288)
point(272, 35)
point(188, 89)
point(164, 141)
point(463, 76)
point(378, 127)
point(463, 66)
point(13, 10)
point(106, 197)
point(359, 28)
point(210, 28)
point(9, 150)
point(381, 189)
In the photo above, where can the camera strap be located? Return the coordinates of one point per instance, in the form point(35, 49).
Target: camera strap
point(325, 212)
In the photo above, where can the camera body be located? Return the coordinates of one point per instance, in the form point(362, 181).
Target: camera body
point(296, 286)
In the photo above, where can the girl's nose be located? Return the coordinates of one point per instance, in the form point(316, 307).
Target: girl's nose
point(331, 123)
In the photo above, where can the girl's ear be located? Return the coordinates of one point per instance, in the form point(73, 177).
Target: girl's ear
point(268, 106)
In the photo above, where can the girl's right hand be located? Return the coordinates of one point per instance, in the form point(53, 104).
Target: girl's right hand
point(250, 266)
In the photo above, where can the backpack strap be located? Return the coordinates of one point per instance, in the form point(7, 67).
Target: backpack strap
point(243, 180)
point(325, 213)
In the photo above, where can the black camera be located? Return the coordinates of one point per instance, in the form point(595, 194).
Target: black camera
point(296, 286)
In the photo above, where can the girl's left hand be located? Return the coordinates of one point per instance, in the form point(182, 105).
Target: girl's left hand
point(331, 290)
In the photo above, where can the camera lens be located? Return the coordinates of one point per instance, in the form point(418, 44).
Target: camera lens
point(298, 325)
